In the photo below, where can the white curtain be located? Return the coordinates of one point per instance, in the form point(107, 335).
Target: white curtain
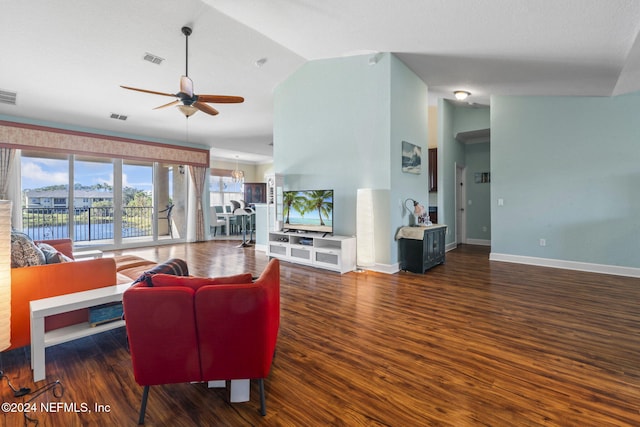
point(10, 183)
point(199, 177)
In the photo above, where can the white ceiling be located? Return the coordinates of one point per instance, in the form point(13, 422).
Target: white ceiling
point(67, 58)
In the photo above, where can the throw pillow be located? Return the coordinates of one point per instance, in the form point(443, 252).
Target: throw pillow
point(174, 266)
point(162, 280)
point(51, 254)
point(24, 251)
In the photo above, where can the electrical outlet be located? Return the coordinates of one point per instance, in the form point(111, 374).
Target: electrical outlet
point(484, 229)
point(500, 202)
point(543, 242)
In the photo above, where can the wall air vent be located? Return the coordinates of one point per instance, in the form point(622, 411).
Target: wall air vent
point(118, 116)
point(153, 58)
point(8, 97)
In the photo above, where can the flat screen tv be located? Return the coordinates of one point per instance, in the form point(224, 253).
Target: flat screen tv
point(310, 210)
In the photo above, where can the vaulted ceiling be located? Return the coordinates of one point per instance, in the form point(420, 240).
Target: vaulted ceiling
point(66, 59)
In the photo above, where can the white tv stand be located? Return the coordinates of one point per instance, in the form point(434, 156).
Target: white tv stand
point(337, 253)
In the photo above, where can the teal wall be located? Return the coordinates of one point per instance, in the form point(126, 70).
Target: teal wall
point(568, 171)
point(409, 122)
point(468, 118)
point(449, 151)
point(339, 123)
point(331, 131)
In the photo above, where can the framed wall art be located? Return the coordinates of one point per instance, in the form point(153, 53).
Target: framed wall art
point(411, 158)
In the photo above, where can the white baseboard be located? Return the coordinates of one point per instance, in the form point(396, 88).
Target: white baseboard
point(384, 268)
point(261, 248)
point(567, 265)
point(480, 242)
point(450, 247)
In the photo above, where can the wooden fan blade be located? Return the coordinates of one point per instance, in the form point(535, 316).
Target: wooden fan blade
point(177, 101)
point(148, 91)
point(205, 108)
point(221, 99)
point(186, 86)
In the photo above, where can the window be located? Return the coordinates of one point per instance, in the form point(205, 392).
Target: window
point(45, 177)
point(222, 190)
point(109, 201)
point(137, 199)
point(93, 199)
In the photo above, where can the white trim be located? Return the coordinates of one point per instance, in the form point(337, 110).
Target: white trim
point(450, 247)
point(567, 265)
point(383, 268)
point(460, 202)
point(481, 242)
point(261, 248)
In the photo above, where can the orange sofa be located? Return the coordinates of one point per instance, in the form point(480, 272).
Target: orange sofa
point(43, 281)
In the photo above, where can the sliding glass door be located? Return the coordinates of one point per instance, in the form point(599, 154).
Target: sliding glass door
point(112, 202)
point(92, 195)
point(45, 195)
point(137, 201)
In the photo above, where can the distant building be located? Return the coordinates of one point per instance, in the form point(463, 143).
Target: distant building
point(59, 199)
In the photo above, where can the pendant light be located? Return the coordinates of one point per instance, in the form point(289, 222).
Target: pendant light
point(237, 175)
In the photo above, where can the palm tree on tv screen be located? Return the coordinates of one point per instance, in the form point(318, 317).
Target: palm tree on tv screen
point(293, 200)
point(320, 201)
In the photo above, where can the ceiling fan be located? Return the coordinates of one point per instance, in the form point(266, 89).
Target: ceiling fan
point(188, 102)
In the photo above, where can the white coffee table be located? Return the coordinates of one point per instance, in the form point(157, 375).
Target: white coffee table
point(39, 309)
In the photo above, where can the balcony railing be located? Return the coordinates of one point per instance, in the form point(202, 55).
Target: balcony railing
point(95, 223)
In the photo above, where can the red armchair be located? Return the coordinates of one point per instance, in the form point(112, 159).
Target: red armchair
point(184, 329)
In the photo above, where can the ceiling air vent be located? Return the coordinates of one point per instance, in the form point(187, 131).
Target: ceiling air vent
point(118, 116)
point(153, 58)
point(8, 97)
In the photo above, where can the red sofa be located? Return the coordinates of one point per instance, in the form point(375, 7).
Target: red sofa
point(184, 329)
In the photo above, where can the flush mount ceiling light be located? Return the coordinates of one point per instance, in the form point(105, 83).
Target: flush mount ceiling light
point(461, 95)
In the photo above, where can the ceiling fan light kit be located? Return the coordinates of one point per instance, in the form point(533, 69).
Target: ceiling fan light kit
point(189, 103)
point(187, 110)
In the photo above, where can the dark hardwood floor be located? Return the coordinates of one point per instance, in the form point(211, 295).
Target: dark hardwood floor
point(469, 343)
